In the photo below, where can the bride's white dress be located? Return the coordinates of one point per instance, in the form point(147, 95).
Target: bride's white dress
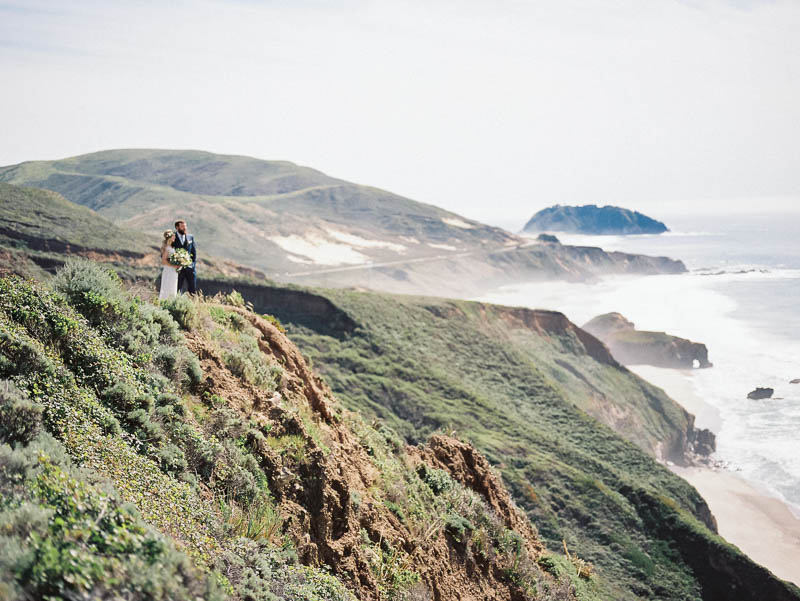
point(169, 279)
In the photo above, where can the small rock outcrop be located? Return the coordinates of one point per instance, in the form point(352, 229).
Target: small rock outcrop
point(549, 238)
point(795, 381)
point(630, 346)
point(702, 442)
point(591, 219)
point(760, 393)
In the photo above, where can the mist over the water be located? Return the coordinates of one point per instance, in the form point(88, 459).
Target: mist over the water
point(741, 298)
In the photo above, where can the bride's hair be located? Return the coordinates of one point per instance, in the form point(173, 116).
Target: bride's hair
point(166, 236)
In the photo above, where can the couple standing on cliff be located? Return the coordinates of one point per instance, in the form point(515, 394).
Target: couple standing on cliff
point(179, 257)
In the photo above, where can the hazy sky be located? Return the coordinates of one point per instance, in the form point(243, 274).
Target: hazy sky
point(492, 109)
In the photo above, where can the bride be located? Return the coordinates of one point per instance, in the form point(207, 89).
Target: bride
point(169, 275)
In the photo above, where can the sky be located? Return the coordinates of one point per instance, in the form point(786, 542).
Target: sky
point(491, 109)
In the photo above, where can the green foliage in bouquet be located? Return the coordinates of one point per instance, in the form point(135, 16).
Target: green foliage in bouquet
point(180, 258)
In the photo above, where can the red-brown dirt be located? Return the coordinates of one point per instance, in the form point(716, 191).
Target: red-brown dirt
point(327, 501)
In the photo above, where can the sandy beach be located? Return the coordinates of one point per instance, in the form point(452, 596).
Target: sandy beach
point(760, 525)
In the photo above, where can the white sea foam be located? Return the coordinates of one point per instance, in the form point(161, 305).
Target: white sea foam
point(759, 439)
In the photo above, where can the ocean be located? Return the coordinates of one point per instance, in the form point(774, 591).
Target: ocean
point(741, 298)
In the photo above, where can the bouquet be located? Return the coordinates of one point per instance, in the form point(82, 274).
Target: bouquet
point(180, 259)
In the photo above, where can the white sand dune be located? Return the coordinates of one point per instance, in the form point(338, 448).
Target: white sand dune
point(360, 242)
point(456, 222)
point(319, 250)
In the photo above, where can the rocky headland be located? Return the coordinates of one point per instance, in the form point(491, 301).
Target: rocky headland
point(637, 347)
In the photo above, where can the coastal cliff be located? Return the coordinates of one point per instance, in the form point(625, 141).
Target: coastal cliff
point(247, 477)
point(538, 397)
point(196, 431)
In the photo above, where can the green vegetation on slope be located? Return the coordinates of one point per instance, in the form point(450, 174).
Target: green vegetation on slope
point(124, 473)
point(30, 213)
point(109, 462)
point(426, 364)
point(40, 230)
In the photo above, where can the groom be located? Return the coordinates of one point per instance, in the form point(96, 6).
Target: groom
point(187, 275)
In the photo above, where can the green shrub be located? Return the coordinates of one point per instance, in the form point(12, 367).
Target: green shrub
point(437, 480)
point(263, 572)
point(20, 418)
point(248, 362)
point(640, 559)
point(63, 538)
point(124, 398)
point(389, 566)
point(173, 401)
point(237, 322)
point(183, 310)
point(234, 299)
point(124, 321)
point(169, 330)
point(276, 322)
point(458, 526)
point(143, 428)
point(92, 289)
point(19, 356)
point(179, 364)
point(260, 520)
point(172, 459)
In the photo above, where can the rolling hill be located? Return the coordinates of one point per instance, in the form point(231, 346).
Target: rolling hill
point(40, 230)
point(298, 224)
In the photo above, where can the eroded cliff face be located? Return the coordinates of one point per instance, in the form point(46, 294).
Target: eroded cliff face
point(208, 419)
point(350, 503)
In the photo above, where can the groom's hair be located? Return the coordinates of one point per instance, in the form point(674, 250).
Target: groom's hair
point(179, 221)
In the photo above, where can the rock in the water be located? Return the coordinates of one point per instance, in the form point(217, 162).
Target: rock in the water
point(702, 442)
point(548, 238)
point(630, 346)
point(760, 393)
point(795, 381)
point(591, 219)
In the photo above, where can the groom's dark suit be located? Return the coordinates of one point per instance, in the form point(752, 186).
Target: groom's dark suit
point(187, 275)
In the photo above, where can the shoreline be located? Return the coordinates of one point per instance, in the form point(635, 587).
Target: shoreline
point(762, 526)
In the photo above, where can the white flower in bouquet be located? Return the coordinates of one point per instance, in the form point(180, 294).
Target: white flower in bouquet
point(180, 259)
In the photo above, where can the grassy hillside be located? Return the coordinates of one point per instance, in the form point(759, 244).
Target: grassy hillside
point(297, 224)
point(184, 450)
point(40, 230)
point(234, 197)
point(533, 395)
